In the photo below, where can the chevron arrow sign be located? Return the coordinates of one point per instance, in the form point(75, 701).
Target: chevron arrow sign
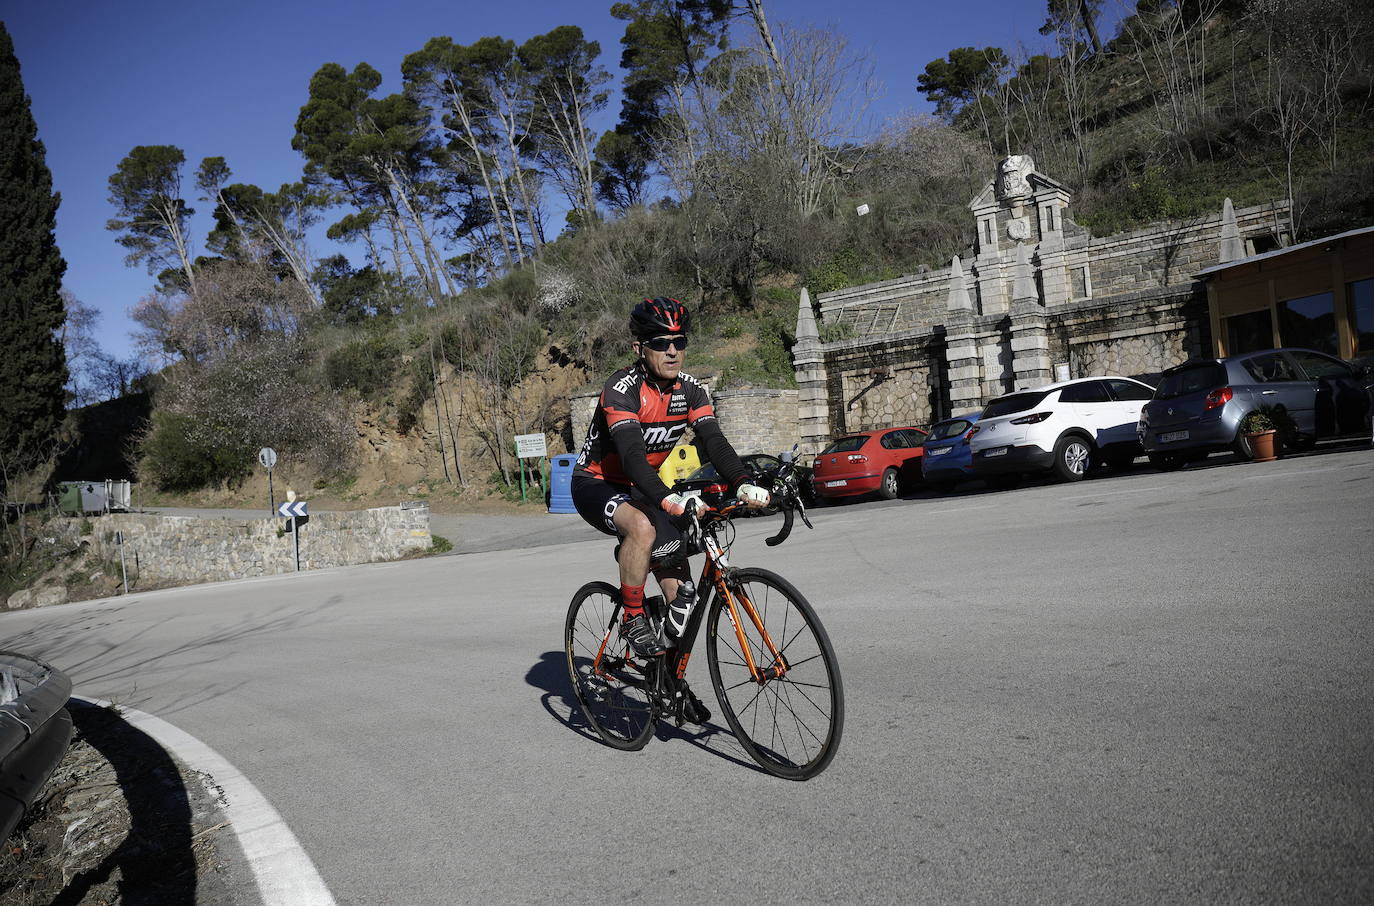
point(291, 510)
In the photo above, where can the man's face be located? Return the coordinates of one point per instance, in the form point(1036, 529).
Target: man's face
point(663, 355)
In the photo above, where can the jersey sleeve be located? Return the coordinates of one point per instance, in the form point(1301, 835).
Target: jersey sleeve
point(698, 402)
point(620, 402)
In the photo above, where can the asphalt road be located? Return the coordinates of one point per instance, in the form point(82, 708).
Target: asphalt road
point(1140, 689)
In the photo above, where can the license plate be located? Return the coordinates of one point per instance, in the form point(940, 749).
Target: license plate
point(1171, 436)
point(939, 451)
point(1000, 451)
point(836, 484)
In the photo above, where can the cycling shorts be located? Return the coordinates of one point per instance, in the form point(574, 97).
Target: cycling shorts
point(596, 502)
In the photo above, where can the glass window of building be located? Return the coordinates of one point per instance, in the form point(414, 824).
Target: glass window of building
point(1249, 332)
point(1361, 295)
point(1310, 322)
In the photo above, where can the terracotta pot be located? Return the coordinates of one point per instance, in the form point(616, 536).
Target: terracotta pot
point(1263, 444)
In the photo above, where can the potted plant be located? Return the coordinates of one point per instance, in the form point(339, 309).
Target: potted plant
point(1262, 435)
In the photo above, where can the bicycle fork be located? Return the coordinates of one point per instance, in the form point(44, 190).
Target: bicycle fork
point(737, 599)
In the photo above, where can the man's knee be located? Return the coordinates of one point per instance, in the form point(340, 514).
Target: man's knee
point(636, 526)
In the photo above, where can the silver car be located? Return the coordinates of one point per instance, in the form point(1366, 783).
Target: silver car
point(1198, 406)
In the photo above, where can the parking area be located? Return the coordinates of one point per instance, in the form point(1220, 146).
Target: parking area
point(1140, 477)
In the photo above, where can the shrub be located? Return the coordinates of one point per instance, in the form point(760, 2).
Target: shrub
point(175, 460)
point(440, 544)
point(367, 366)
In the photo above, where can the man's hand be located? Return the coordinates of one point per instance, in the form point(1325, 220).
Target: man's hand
point(752, 495)
point(674, 504)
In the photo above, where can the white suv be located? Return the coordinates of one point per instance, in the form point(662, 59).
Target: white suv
point(1063, 428)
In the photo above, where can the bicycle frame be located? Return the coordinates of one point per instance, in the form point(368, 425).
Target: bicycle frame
point(715, 575)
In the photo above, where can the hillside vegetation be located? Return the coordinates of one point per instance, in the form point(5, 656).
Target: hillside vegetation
point(730, 181)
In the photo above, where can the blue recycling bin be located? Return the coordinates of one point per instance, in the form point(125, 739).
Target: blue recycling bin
point(560, 484)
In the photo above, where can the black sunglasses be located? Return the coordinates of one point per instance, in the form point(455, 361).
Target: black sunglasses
point(661, 344)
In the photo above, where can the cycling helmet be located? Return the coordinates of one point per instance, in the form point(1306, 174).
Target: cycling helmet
point(656, 317)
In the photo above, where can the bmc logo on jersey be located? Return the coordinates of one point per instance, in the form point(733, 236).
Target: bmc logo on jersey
point(678, 406)
point(658, 436)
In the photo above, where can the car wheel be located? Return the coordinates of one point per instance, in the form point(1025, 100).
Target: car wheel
point(889, 488)
point(1167, 462)
point(1073, 457)
point(1242, 448)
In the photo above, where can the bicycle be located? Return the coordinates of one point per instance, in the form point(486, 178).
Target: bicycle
point(772, 666)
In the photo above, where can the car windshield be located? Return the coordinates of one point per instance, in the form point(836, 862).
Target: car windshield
point(1017, 402)
point(951, 428)
point(1192, 378)
point(846, 444)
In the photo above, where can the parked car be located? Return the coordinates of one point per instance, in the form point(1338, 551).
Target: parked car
point(1198, 406)
point(1064, 428)
point(946, 457)
point(885, 461)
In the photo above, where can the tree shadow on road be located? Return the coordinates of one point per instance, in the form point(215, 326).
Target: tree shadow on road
point(550, 674)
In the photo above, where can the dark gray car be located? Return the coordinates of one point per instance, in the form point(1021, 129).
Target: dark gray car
point(1198, 406)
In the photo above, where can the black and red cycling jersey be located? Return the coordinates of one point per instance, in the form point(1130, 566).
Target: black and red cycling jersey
point(637, 423)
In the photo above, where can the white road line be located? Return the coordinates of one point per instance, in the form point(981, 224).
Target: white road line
point(283, 870)
point(1158, 487)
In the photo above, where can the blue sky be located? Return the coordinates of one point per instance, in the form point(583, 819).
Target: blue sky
point(229, 79)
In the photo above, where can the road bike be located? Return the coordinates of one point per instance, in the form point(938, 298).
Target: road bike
point(772, 666)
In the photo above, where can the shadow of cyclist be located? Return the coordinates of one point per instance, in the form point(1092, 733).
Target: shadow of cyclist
point(550, 674)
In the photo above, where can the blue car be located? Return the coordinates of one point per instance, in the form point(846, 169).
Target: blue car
point(947, 459)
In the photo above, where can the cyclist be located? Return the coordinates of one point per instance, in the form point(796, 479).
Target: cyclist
point(642, 413)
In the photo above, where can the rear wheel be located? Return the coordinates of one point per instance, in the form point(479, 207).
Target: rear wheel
point(790, 724)
point(1245, 452)
point(611, 686)
point(1073, 456)
point(890, 486)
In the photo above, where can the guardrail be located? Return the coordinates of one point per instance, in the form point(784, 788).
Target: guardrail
point(35, 730)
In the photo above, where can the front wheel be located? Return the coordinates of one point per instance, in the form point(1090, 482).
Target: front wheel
point(612, 687)
point(791, 722)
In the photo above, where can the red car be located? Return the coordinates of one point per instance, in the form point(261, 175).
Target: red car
point(885, 461)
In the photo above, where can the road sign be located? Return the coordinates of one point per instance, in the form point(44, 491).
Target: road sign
point(292, 509)
point(268, 457)
point(530, 446)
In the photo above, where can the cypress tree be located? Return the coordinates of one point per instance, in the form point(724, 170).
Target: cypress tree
point(33, 367)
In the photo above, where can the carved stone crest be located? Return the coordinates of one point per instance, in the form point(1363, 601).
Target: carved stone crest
point(1013, 177)
point(1019, 229)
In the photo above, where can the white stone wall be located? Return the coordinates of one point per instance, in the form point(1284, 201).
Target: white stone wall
point(192, 549)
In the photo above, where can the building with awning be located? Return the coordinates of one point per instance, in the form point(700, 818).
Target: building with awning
point(1317, 294)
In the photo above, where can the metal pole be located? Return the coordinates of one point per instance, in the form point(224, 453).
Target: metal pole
point(123, 567)
point(271, 496)
point(520, 467)
point(296, 536)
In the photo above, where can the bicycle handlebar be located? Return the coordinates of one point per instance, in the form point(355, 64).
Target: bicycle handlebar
point(785, 492)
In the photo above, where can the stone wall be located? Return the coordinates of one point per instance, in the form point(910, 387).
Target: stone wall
point(1166, 254)
point(191, 549)
point(1135, 337)
point(878, 385)
point(758, 421)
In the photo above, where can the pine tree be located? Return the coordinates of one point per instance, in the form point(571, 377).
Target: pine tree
point(33, 368)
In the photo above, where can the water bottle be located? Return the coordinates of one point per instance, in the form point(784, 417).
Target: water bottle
point(680, 610)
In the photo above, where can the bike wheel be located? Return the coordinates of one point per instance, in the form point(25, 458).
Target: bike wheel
point(790, 725)
point(611, 687)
